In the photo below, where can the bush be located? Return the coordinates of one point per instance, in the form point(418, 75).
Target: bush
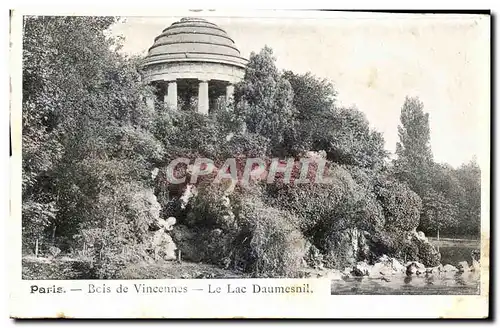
point(277, 248)
point(313, 204)
point(344, 248)
point(242, 232)
point(247, 144)
point(314, 257)
point(210, 209)
point(395, 243)
point(427, 253)
point(404, 245)
point(188, 242)
point(112, 260)
point(56, 269)
point(401, 205)
point(117, 229)
point(333, 217)
point(110, 265)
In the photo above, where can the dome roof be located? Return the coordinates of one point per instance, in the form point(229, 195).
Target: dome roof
point(194, 40)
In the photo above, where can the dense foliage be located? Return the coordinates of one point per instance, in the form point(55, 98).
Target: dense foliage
point(90, 145)
point(451, 197)
point(87, 145)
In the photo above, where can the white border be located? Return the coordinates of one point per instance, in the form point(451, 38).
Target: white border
point(409, 305)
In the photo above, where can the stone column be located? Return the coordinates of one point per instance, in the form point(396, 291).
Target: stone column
point(171, 96)
point(203, 97)
point(229, 92)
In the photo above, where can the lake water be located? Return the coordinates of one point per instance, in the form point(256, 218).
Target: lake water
point(401, 285)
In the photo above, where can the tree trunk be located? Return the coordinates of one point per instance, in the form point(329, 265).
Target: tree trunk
point(438, 239)
point(179, 259)
point(36, 247)
point(54, 235)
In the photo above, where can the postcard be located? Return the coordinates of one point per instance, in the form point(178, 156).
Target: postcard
point(257, 164)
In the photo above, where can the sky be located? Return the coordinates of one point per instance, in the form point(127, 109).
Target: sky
point(374, 62)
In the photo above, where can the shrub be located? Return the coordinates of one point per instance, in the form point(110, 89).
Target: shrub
point(188, 242)
point(333, 217)
point(242, 232)
point(396, 243)
point(112, 260)
point(403, 245)
point(427, 253)
point(314, 257)
point(313, 204)
point(401, 205)
point(117, 229)
point(249, 144)
point(344, 248)
point(276, 245)
point(210, 209)
point(56, 269)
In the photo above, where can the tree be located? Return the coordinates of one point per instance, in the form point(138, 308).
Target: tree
point(85, 127)
point(438, 213)
point(348, 139)
point(319, 124)
point(264, 98)
point(313, 100)
point(401, 205)
point(450, 197)
point(414, 155)
point(469, 177)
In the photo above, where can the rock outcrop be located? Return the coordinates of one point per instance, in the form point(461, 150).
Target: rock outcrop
point(361, 269)
point(162, 244)
point(387, 266)
point(463, 267)
point(415, 268)
point(475, 266)
point(332, 274)
point(434, 270)
point(476, 255)
point(188, 193)
point(345, 247)
point(426, 252)
point(449, 268)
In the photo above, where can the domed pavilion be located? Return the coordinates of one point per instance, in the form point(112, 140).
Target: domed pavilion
point(193, 62)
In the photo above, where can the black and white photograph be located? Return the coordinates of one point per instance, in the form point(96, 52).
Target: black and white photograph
point(347, 148)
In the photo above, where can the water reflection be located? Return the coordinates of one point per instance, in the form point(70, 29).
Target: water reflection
point(459, 280)
point(427, 284)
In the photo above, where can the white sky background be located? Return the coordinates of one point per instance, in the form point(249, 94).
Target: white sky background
point(374, 62)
